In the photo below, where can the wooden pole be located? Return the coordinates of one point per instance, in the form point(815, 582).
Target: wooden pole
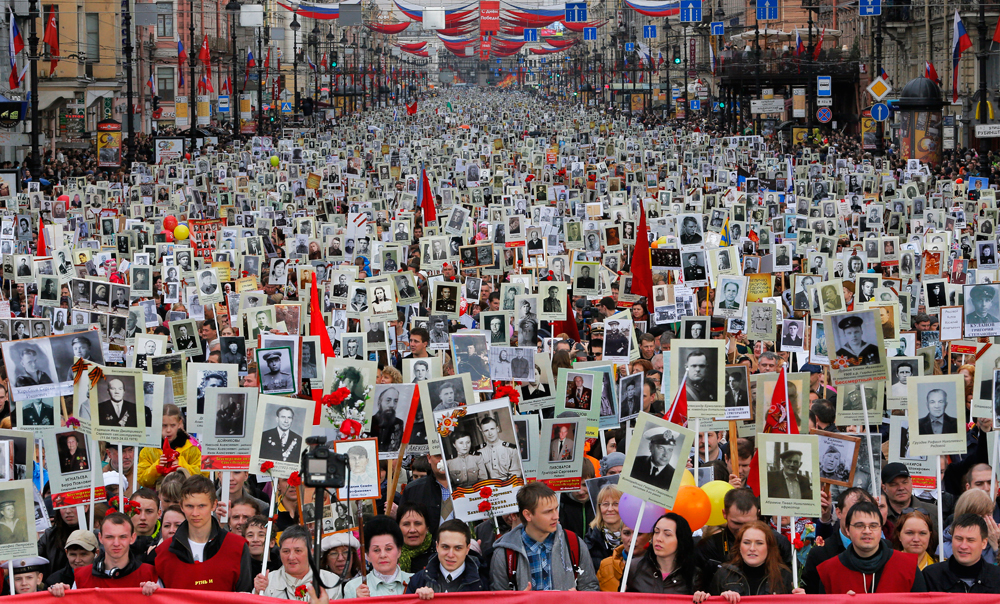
point(734, 455)
point(395, 479)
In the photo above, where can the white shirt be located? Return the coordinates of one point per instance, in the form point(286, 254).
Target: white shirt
point(455, 574)
point(197, 550)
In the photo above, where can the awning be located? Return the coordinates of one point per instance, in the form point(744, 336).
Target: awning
point(94, 95)
point(46, 98)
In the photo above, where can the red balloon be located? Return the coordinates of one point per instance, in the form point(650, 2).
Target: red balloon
point(187, 156)
point(169, 235)
point(170, 223)
point(693, 505)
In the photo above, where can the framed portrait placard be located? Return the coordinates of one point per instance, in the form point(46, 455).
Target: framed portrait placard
point(789, 474)
point(562, 442)
point(857, 347)
point(528, 443)
point(362, 464)
point(935, 406)
point(18, 538)
point(116, 416)
point(578, 391)
point(951, 323)
point(655, 461)
point(201, 377)
point(838, 457)
point(703, 362)
point(79, 460)
point(386, 416)
point(227, 437)
point(280, 428)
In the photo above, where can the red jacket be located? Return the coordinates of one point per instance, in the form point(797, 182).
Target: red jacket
point(226, 566)
point(899, 574)
point(132, 575)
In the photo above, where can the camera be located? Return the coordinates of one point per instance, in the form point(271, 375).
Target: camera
point(321, 467)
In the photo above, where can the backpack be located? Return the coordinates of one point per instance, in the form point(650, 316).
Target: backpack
point(574, 557)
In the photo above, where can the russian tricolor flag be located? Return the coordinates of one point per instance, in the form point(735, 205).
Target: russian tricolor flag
point(962, 42)
point(930, 73)
point(799, 47)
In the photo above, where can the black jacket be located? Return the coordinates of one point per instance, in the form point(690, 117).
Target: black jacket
point(941, 577)
point(598, 546)
point(427, 492)
point(716, 550)
point(731, 578)
point(832, 547)
point(575, 515)
point(471, 579)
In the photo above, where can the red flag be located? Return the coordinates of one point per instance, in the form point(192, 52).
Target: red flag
point(411, 109)
point(412, 416)
point(641, 269)
point(996, 32)
point(678, 411)
point(779, 420)
point(52, 39)
point(426, 198)
point(41, 236)
point(819, 45)
point(569, 325)
point(317, 327)
point(204, 55)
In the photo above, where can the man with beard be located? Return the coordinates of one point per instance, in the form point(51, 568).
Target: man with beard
point(387, 427)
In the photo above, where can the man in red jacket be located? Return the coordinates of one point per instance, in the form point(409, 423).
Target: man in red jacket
point(116, 567)
point(869, 565)
point(201, 554)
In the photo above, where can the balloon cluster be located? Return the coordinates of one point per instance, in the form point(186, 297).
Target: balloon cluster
point(699, 506)
point(173, 230)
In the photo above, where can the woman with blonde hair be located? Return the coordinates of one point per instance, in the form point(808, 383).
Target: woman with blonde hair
point(605, 533)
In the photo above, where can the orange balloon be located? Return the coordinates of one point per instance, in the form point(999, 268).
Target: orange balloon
point(693, 505)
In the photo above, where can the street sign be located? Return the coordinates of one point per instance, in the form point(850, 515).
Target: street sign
point(675, 92)
point(286, 106)
point(718, 28)
point(767, 106)
point(223, 103)
point(695, 105)
point(987, 130)
point(824, 114)
point(691, 10)
point(879, 89)
point(576, 12)
point(824, 86)
point(767, 10)
point(648, 31)
point(530, 35)
point(823, 101)
point(870, 8)
point(880, 112)
point(589, 33)
point(629, 46)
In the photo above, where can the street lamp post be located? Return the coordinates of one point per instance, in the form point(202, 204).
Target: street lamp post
point(192, 98)
point(233, 8)
point(983, 55)
point(129, 110)
point(260, 76)
point(295, 27)
point(36, 124)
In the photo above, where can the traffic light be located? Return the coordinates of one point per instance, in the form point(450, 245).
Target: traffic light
point(677, 54)
point(156, 102)
point(333, 60)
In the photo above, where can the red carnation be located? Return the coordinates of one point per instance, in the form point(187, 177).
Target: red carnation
point(350, 427)
point(266, 467)
point(301, 591)
point(798, 543)
point(294, 479)
point(485, 492)
point(72, 422)
point(485, 506)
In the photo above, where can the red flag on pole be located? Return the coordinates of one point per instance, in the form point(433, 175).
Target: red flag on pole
point(411, 109)
point(641, 268)
point(317, 327)
point(779, 420)
point(426, 197)
point(569, 325)
point(678, 411)
point(41, 237)
point(52, 38)
point(996, 32)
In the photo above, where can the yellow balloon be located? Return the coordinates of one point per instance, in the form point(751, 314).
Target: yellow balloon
point(716, 491)
point(687, 479)
point(181, 232)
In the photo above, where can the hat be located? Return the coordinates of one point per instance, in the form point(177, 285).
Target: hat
point(657, 436)
point(272, 355)
point(811, 368)
point(581, 303)
point(20, 566)
point(114, 478)
point(338, 540)
point(788, 453)
point(84, 539)
point(850, 322)
point(894, 470)
point(982, 291)
point(611, 460)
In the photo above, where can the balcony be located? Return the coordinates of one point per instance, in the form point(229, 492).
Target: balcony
point(785, 68)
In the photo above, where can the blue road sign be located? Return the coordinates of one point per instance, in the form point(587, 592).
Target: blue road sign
point(629, 46)
point(589, 33)
point(767, 10)
point(531, 35)
point(718, 28)
point(648, 31)
point(223, 103)
point(824, 114)
point(824, 86)
point(695, 105)
point(870, 8)
point(576, 12)
point(286, 106)
point(691, 10)
point(880, 112)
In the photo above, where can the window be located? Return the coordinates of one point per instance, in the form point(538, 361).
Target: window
point(93, 48)
point(165, 83)
point(165, 19)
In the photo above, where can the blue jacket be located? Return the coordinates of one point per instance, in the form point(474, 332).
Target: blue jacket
point(430, 576)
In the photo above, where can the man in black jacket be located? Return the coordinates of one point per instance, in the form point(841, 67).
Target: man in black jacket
point(834, 544)
point(81, 549)
point(450, 570)
point(429, 491)
point(739, 507)
point(965, 571)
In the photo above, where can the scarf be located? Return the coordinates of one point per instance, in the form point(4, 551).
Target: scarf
point(612, 538)
point(408, 553)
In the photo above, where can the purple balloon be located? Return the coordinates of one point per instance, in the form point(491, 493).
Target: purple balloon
point(628, 509)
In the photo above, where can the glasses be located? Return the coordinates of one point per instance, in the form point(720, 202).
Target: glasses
point(608, 505)
point(860, 526)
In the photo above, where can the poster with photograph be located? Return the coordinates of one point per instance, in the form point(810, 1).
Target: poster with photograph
point(936, 404)
point(471, 354)
point(578, 391)
point(554, 299)
point(19, 458)
point(359, 378)
point(172, 367)
point(838, 457)
point(655, 461)
point(921, 467)
point(276, 371)
point(562, 442)
point(901, 369)
point(609, 396)
point(17, 527)
point(763, 321)
point(113, 405)
point(512, 364)
point(731, 304)
point(982, 311)
point(76, 454)
point(789, 474)
point(227, 437)
point(39, 415)
point(280, 428)
point(154, 396)
point(201, 377)
point(859, 354)
point(539, 392)
point(479, 446)
point(701, 365)
point(362, 466)
point(737, 393)
point(43, 367)
point(849, 403)
point(528, 443)
point(386, 417)
point(630, 396)
point(617, 340)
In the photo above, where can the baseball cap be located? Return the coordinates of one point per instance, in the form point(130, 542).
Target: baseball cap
point(894, 470)
point(84, 539)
